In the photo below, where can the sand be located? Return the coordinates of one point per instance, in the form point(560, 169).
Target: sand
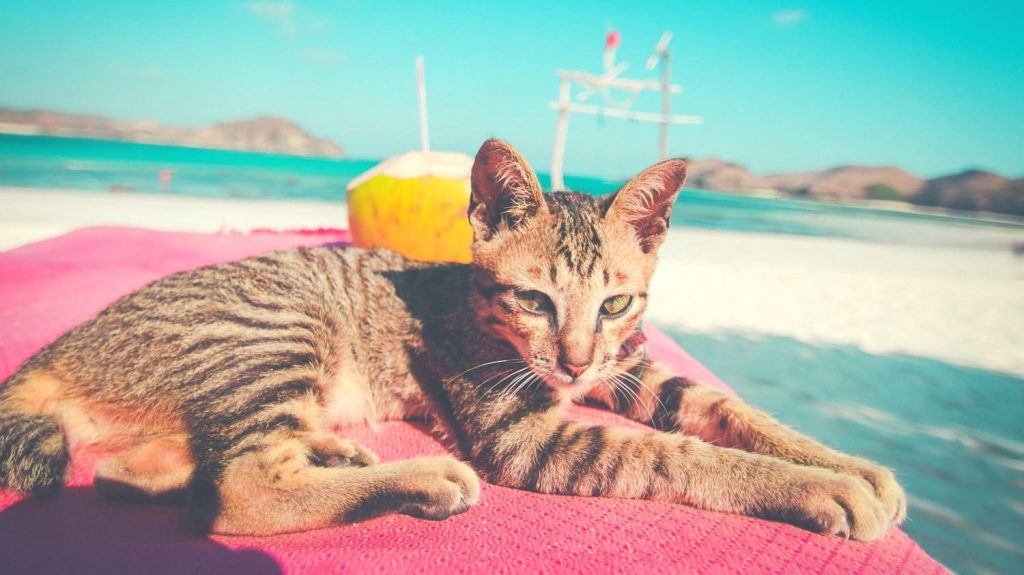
point(31, 214)
point(963, 305)
point(960, 305)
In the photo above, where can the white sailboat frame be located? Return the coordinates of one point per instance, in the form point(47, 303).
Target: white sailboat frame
point(593, 84)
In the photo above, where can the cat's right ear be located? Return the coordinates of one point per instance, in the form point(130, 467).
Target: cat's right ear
point(505, 190)
point(645, 203)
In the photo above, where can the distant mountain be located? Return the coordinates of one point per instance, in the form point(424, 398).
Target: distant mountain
point(849, 183)
point(719, 175)
point(973, 190)
point(843, 182)
point(262, 134)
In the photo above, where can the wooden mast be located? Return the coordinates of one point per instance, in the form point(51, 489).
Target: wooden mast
point(603, 85)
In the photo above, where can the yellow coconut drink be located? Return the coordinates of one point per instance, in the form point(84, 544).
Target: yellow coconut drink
point(415, 204)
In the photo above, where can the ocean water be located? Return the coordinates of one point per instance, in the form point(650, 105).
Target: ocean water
point(97, 165)
point(954, 435)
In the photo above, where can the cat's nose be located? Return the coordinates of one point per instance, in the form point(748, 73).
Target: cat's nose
point(574, 369)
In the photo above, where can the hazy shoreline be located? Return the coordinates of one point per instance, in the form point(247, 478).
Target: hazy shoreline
point(266, 134)
point(963, 305)
point(899, 207)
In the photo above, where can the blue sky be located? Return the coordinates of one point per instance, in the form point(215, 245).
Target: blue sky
point(931, 86)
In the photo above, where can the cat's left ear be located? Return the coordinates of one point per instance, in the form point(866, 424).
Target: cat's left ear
point(645, 203)
point(505, 190)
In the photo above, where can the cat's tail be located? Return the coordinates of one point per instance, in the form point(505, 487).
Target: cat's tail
point(34, 455)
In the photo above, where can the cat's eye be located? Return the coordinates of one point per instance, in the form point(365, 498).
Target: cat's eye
point(533, 301)
point(616, 304)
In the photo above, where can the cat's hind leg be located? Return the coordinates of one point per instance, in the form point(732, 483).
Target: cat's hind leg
point(157, 470)
point(34, 454)
point(307, 481)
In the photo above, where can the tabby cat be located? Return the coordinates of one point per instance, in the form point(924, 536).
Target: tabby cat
point(226, 386)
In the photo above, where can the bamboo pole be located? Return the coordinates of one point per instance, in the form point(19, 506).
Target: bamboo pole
point(561, 134)
point(666, 104)
point(421, 94)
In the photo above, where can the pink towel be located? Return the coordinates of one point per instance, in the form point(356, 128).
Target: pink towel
point(47, 287)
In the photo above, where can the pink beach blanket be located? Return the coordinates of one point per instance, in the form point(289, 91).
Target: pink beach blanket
point(48, 287)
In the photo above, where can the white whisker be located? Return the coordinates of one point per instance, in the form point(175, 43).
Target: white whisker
point(510, 390)
point(485, 364)
point(502, 378)
point(646, 387)
point(625, 387)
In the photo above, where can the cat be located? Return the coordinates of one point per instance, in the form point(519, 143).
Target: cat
point(226, 386)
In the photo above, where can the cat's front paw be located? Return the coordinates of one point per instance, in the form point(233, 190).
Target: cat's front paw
point(439, 487)
point(885, 486)
point(330, 451)
point(835, 504)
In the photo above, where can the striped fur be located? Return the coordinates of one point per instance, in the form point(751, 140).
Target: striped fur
point(33, 449)
point(230, 386)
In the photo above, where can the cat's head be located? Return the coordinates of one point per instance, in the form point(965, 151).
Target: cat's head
point(563, 276)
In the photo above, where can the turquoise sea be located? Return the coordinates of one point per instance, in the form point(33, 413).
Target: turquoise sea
point(954, 435)
point(99, 165)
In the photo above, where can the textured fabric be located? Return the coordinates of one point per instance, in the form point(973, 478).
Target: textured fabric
point(46, 288)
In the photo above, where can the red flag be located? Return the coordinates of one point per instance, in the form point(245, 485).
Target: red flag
point(613, 40)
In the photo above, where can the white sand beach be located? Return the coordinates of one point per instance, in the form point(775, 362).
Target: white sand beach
point(957, 304)
point(32, 214)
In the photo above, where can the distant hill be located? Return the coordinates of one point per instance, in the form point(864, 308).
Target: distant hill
point(850, 183)
point(973, 190)
point(719, 175)
point(262, 134)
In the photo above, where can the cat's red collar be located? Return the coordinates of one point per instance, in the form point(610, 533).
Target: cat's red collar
point(633, 345)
